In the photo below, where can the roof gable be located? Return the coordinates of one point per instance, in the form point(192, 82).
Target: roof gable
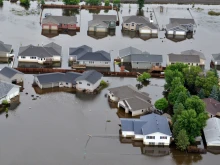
point(91, 76)
point(128, 51)
point(9, 72)
point(5, 47)
point(5, 88)
point(184, 58)
point(95, 56)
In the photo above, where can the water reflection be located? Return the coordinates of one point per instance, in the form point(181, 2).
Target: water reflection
point(37, 65)
point(54, 33)
point(214, 150)
point(136, 34)
point(70, 12)
point(100, 35)
point(179, 38)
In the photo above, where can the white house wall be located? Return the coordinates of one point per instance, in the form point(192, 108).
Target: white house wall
point(190, 64)
point(38, 60)
point(84, 85)
point(112, 97)
point(138, 112)
point(95, 63)
point(157, 139)
point(12, 93)
point(127, 133)
point(138, 137)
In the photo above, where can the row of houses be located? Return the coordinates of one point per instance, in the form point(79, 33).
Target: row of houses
point(104, 23)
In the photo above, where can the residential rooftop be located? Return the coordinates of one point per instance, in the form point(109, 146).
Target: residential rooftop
point(60, 20)
point(5, 47)
point(79, 51)
point(95, 56)
point(135, 19)
point(91, 76)
point(128, 51)
point(184, 58)
point(5, 88)
point(212, 106)
point(9, 72)
point(147, 58)
point(194, 52)
point(182, 21)
point(104, 17)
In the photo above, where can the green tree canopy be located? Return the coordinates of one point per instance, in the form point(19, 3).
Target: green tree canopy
point(195, 103)
point(42, 2)
point(215, 92)
point(201, 94)
point(177, 66)
point(170, 75)
point(182, 140)
point(175, 83)
point(116, 2)
point(181, 98)
point(25, 2)
point(172, 97)
point(190, 74)
point(1, 2)
point(192, 123)
point(161, 104)
point(140, 4)
point(71, 2)
point(93, 2)
point(177, 110)
point(143, 77)
point(107, 3)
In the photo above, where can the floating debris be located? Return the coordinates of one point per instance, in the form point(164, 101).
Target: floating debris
point(108, 121)
point(26, 93)
point(23, 12)
point(34, 99)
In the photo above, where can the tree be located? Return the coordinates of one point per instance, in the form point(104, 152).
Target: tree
point(170, 75)
point(25, 2)
point(107, 3)
point(175, 83)
point(181, 98)
point(201, 94)
point(195, 103)
point(1, 2)
point(116, 3)
point(143, 77)
point(178, 109)
point(172, 97)
point(161, 104)
point(140, 4)
point(215, 93)
point(140, 79)
point(192, 123)
point(182, 140)
point(42, 2)
point(71, 2)
point(177, 66)
point(93, 2)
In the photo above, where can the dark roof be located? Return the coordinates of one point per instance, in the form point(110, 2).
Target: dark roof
point(176, 26)
point(9, 72)
point(212, 106)
point(68, 77)
point(60, 20)
point(97, 23)
point(146, 58)
point(79, 51)
point(216, 57)
point(105, 17)
point(184, 58)
point(136, 19)
point(150, 25)
point(48, 50)
point(95, 56)
point(5, 47)
point(128, 51)
point(193, 52)
point(91, 76)
point(182, 21)
point(146, 125)
point(137, 103)
point(5, 88)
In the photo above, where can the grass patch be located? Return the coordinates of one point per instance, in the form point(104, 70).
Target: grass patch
point(213, 13)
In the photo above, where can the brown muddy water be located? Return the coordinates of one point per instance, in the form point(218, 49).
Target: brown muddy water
point(63, 128)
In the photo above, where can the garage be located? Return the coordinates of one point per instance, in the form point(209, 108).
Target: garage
point(101, 29)
point(181, 33)
point(45, 27)
point(91, 29)
point(53, 27)
point(146, 31)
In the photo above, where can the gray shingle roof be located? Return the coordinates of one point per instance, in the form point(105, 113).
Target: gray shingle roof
point(68, 77)
point(60, 20)
point(175, 26)
point(147, 124)
point(105, 17)
point(194, 52)
point(9, 72)
point(216, 57)
point(184, 58)
point(48, 50)
point(95, 56)
point(128, 91)
point(91, 76)
point(150, 25)
point(128, 51)
point(147, 58)
point(182, 21)
point(5, 88)
point(137, 103)
point(78, 51)
point(136, 19)
point(97, 23)
point(5, 47)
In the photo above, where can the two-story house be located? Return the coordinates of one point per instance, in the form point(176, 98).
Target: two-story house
point(5, 51)
point(152, 129)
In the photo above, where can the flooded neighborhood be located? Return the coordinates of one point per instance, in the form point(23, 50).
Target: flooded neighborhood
point(92, 86)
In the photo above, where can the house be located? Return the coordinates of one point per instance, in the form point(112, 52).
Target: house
point(102, 23)
point(139, 59)
point(216, 60)
point(212, 132)
point(152, 129)
point(130, 99)
point(88, 81)
point(212, 106)
point(5, 50)
point(51, 80)
point(93, 59)
point(59, 22)
point(179, 26)
point(139, 23)
point(8, 91)
point(11, 75)
point(50, 53)
point(78, 52)
point(186, 59)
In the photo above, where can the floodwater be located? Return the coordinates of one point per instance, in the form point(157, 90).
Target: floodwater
point(23, 30)
point(62, 128)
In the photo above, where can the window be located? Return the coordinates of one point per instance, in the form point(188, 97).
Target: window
point(197, 64)
point(157, 64)
point(188, 63)
point(66, 83)
point(137, 62)
point(33, 57)
point(106, 62)
point(126, 24)
point(80, 82)
point(163, 137)
point(88, 84)
point(151, 143)
point(150, 137)
point(22, 57)
point(160, 143)
point(132, 24)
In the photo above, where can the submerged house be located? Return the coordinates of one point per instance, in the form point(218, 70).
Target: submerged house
point(47, 54)
point(5, 51)
point(11, 75)
point(216, 60)
point(212, 132)
point(83, 56)
point(152, 129)
point(179, 27)
point(130, 99)
point(102, 23)
point(139, 59)
point(59, 23)
point(139, 23)
point(212, 107)
point(8, 91)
